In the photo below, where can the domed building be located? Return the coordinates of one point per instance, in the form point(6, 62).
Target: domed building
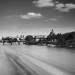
point(51, 36)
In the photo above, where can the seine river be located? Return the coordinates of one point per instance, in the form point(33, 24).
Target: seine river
point(61, 56)
point(39, 60)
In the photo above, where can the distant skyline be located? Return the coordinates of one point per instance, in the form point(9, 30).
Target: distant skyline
point(36, 17)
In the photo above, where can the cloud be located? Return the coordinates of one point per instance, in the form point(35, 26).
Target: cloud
point(53, 19)
point(31, 15)
point(57, 5)
point(10, 16)
point(59, 17)
point(65, 7)
point(44, 3)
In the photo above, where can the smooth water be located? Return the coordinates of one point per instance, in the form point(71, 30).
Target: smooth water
point(64, 57)
point(61, 56)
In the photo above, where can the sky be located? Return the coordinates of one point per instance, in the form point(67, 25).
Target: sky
point(36, 17)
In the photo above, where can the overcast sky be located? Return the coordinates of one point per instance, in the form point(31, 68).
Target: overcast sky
point(36, 17)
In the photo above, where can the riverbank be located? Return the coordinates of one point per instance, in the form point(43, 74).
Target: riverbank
point(60, 46)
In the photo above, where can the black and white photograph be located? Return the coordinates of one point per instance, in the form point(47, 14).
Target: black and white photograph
point(37, 37)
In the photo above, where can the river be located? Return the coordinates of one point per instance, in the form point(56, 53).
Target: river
point(57, 61)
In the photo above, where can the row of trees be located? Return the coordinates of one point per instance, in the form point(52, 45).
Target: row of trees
point(65, 40)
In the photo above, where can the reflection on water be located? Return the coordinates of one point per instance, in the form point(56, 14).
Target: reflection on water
point(62, 56)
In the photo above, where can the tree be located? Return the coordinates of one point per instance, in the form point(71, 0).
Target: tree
point(29, 38)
